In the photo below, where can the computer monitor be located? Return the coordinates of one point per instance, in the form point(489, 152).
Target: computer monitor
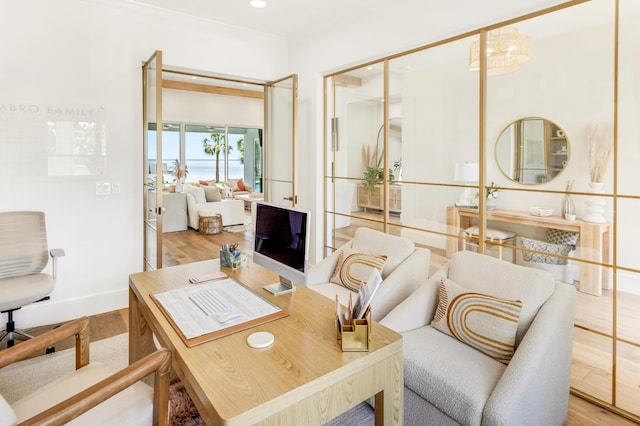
point(281, 244)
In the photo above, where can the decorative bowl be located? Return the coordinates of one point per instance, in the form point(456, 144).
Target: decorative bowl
point(541, 211)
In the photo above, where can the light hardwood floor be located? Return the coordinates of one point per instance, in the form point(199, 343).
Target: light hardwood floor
point(191, 246)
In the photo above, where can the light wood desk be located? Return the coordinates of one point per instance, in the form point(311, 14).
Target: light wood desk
point(303, 378)
point(593, 242)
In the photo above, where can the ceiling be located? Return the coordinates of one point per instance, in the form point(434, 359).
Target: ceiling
point(288, 18)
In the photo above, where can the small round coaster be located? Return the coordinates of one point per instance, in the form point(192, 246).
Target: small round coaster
point(260, 339)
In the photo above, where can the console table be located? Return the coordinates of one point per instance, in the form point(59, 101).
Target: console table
point(593, 241)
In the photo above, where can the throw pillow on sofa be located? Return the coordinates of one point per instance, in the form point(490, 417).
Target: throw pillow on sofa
point(212, 193)
point(354, 268)
point(484, 322)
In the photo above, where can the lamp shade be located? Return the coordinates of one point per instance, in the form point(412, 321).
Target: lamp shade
point(466, 172)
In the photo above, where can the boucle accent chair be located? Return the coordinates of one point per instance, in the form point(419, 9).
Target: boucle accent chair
point(449, 382)
point(405, 268)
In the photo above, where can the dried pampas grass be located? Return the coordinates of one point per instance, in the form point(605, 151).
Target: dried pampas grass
point(600, 148)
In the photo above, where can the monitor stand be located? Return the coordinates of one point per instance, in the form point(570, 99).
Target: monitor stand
point(283, 287)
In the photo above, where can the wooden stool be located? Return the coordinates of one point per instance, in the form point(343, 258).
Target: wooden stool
point(493, 236)
point(210, 223)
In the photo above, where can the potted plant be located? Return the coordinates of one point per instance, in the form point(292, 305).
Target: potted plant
point(491, 196)
point(179, 172)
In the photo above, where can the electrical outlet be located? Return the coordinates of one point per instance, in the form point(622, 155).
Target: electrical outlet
point(103, 188)
point(115, 187)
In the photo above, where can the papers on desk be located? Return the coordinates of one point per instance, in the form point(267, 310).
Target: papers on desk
point(193, 323)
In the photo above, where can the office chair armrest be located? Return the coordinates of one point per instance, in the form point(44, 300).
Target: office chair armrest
point(56, 253)
point(158, 362)
point(78, 328)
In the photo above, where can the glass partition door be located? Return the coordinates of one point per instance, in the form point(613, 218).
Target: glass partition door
point(153, 170)
point(280, 148)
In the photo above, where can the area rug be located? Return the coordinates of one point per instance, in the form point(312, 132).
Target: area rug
point(20, 379)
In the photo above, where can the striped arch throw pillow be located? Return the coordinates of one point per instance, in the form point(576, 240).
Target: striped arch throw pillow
point(354, 268)
point(483, 322)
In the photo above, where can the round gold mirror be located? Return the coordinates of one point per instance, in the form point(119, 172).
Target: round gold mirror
point(532, 150)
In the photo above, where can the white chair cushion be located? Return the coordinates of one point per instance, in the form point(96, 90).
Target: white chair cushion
point(7, 415)
point(491, 234)
point(370, 241)
point(452, 376)
point(332, 290)
point(20, 291)
point(133, 406)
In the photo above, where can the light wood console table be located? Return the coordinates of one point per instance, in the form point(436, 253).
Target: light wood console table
point(303, 378)
point(593, 241)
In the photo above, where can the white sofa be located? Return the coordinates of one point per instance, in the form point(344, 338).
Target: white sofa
point(232, 211)
point(405, 269)
point(448, 382)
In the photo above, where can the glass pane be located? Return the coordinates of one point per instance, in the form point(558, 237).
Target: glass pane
point(628, 100)
point(558, 91)
point(594, 312)
point(153, 168)
point(628, 393)
point(591, 371)
point(279, 150)
point(356, 121)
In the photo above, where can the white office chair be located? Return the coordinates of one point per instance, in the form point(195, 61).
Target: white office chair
point(23, 255)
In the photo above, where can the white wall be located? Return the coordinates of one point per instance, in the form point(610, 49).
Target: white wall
point(88, 54)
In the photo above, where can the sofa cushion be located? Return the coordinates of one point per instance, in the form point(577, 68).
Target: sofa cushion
point(197, 192)
point(354, 268)
point(452, 376)
point(488, 275)
point(212, 193)
point(233, 184)
point(397, 249)
point(483, 322)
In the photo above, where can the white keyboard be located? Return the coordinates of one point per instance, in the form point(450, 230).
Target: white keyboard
point(209, 303)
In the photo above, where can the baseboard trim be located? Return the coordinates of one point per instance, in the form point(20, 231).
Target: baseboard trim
point(52, 312)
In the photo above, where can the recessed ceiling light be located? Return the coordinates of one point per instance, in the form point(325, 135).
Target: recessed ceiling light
point(258, 4)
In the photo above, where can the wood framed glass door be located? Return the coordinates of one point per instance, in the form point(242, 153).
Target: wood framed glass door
point(281, 141)
point(152, 168)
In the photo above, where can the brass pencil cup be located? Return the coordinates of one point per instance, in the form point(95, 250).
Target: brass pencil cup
point(355, 337)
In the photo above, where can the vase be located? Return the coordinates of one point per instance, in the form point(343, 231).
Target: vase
point(568, 208)
point(491, 204)
point(594, 212)
point(179, 185)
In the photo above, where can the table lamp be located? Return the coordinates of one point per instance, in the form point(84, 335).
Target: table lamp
point(466, 173)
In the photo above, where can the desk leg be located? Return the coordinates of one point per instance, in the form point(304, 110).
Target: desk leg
point(140, 335)
point(391, 400)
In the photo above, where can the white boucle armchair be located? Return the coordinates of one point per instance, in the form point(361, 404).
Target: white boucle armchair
point(405, 269)
point(448, 382)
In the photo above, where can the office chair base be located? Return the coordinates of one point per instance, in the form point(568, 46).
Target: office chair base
point(11, 336)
